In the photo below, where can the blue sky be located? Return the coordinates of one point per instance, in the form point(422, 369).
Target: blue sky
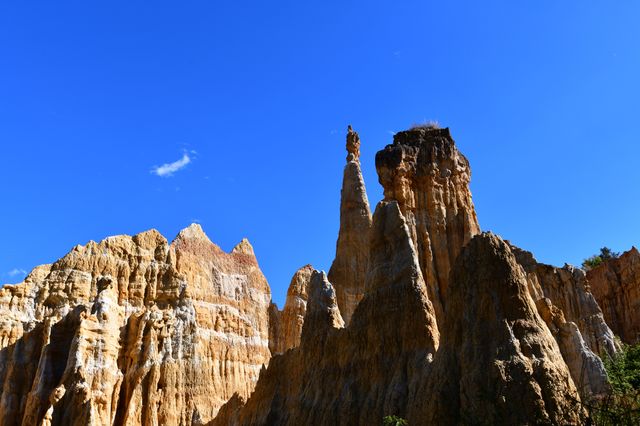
point(253, 99)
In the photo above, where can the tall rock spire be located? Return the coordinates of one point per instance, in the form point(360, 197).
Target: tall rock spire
point(347, 272)
point(424, 171)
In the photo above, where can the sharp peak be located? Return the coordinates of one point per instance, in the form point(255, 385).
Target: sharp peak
point(193, 231)
point(353, 145)
point(244, 247)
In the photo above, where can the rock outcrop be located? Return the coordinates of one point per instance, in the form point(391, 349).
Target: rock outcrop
point(616, 286)
point(564, 301)
point(133, 330)
point(286, 325)
point(568, 289)
point(371, 368)
point(421, 316)
point(497, 363)
point(347, 273)
point(429, 178)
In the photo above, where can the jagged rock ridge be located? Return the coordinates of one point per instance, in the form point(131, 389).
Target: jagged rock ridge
point(133, 330)
point(353, 375)
point(491, 355)
point(420, 316)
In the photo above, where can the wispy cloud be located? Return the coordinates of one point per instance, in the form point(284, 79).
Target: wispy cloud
point(169, 169)
point(16, 271)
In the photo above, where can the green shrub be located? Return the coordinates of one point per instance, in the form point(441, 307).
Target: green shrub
point(605, 254)
point(394, 421)
point(622, 405)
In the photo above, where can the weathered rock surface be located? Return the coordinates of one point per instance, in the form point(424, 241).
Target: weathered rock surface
point(357, 374)
point(286, 326)
point(497, 363)
point(133, 330)
point(420, 316)
point(568, 289)
point(347, 273)
point(572, 314)
point(616, 286)
point(429, 178)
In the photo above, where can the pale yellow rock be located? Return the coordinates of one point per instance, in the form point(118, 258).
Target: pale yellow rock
point(133, 330)
point(286, 326)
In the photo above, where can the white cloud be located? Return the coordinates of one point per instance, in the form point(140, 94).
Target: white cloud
point(169, 169)
point(16, 271)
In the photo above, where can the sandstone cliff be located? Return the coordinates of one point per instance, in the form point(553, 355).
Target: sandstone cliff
point(429, 178)
point(616, 286)
point(133, 330)
point(347, 273)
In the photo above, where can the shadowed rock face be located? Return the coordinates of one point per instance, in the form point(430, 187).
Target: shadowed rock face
point(133, 330)
point(347, 273)
point(357, 374)
point(497, 363)
point(616, 286)
point(429, 178)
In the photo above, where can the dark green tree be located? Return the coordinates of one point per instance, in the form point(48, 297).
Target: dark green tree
point(605, 254)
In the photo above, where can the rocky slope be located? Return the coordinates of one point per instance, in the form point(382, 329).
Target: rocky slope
point(616, 286)
point(133, 330)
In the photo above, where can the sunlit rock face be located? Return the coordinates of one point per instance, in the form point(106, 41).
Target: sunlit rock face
point(564, 301)
point(285, 327)
point(133, 330)
point(429, 178)
point(616, 286)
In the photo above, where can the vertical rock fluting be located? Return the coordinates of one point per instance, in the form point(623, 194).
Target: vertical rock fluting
point(133, 330)
point(358, 374)
point(497, 363)
point(347, 273)
point(572, 314)
point(295, 307)
point(285, 327)
point(616, 286)
point(424, 171)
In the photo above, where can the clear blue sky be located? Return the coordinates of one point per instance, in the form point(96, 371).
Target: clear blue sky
point(543, 99)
